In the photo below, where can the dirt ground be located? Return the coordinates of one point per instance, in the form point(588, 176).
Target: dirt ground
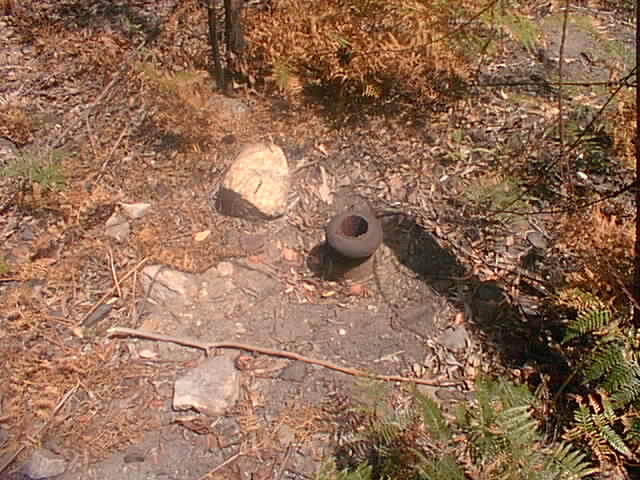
point(117, 94)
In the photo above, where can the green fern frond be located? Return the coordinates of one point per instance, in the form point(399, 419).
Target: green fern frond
point(589, 320)
point(633, 434)
point(567, 463)
point(518, 426)
point(445, 468)
point(612, 438)
point(601, 360)
point(433, 418)
point(620, 376)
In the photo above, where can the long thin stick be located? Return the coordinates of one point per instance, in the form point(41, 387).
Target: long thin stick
point(207, 347)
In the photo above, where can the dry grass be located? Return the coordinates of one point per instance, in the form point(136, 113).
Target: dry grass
point(602, 246)
point(624, 133)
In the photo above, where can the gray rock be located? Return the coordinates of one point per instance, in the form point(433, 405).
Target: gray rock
point(135, 210)
point(211, 388)
point(296, 372)
point(168, 285)
point(4, 435)
point(118, 227)
point(455, 338)
point(537, 240)
point(229, 109)
point(44, 464)
point(257, 183)
point(419, 320)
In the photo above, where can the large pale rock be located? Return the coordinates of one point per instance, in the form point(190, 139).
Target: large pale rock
point(211, 388)
point(256, 185)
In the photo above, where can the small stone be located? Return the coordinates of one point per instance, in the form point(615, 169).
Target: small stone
point(44, 464)
point(286, 435)
point(296, 372)
point(454, 339)
point(135, 210)
point(168, 285)
point(134, 455)
point(98, 314)
point(225, 269)
point(211, 388)
point(537, 240)
point(257, 183)
point(118, 227)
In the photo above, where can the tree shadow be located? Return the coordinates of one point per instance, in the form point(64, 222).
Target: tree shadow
point(520, 336)
point(344, 102)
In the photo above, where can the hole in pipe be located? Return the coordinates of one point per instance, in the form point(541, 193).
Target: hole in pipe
point(354, 226)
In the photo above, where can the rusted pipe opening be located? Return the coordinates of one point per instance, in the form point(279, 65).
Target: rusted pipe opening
point(354, 226)
point(353, 237)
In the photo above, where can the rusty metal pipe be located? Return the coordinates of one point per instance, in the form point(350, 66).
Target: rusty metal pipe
point(353, 236)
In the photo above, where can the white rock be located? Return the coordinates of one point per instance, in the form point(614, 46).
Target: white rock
point(211, 388)
point(118, 227)
point(44, 464)
point(257, 183)
point(135, 210)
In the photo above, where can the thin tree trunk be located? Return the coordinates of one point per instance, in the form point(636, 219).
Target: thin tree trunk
point(217, 72)
point(234, 36)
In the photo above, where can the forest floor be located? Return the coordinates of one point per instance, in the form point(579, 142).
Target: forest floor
point(109, 103)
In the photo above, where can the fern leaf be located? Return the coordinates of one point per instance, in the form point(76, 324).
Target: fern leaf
point(627, 393)
point(601, 360)
point(633, 435)
point(568, 463)
point(445, 468)
point(589, 320)
point(517, 425)
point(433, 419)
point(621, 375)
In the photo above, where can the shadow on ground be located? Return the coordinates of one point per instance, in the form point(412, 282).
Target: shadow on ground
point(519, 338)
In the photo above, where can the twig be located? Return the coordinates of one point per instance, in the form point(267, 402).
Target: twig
point(207, 347)
point(103, 167)
point(42, 429)
point(113, 289)
point(229, 460)
point(114, 274)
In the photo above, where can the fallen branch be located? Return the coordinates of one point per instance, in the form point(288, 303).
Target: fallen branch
point(207, 347)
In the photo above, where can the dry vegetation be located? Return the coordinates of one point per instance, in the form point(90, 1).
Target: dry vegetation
point(351, 57)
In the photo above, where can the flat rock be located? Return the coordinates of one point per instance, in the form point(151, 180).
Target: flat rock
point(211, 388)
point(257, 183)
point(44, 464)
point(168, 285)
point(454, 338)
point(135, 210)
point(118, 227)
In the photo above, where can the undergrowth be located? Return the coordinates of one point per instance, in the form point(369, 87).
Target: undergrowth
point(497, 436)
point(501, 434)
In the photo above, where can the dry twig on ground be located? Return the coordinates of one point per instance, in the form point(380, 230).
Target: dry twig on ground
point(207, 347)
